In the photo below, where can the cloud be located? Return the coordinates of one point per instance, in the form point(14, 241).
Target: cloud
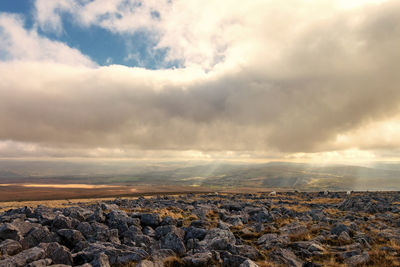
point(199, 33)
point(290, 82)
point(12, 149)
point(48, 13)
point(18, 43)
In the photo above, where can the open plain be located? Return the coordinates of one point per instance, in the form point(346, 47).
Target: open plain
point(35, 192)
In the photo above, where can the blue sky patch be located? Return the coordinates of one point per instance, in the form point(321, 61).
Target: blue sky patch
point(102, 46)
point(21, 7)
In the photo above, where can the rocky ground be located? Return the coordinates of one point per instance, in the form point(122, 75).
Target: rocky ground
point(282, 229)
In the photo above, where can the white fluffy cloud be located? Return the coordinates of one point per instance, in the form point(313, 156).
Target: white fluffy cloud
point(20, 44)
point(198, 32)
point(270, 78)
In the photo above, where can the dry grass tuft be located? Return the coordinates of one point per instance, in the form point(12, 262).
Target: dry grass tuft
point(334, 262)
point(188, 218)
point(212, 217)
point(129, 264)
point(174, 213)
point(337, 242)
point(297, 208)
point(250, 236)
point(300, 237)
point(382, 258)
point(266, 264)
point(173, 262)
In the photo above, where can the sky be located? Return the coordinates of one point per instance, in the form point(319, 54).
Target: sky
point(301, 80)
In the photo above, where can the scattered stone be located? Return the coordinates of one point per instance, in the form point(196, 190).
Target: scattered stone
point(248, 263)
point(344, 237)
point(286, 257)
point(62, 222)
point(100, 260)
point(23, 258)
point(174, 242)
point(70, 237)
point(10, 247)
point(150, 219)
point(234, 230)
point(198, 260)
point(9, 231)
point(358, 259)
point(62, 255)
point(40, 263)
point(339, 228)
point(36, 236)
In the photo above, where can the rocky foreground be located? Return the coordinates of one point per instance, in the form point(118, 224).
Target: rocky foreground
point(282, 229)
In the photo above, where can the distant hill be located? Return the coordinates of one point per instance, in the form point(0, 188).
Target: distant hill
point(218, 174)
point(8, 174)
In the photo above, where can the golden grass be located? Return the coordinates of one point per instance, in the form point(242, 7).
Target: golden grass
point(188, 219)
point(300, 237)
point(129, 264)
point(172, 212)
point(173, 262)
point(267, 264)
point(325, 200)
point(333, 262)
point(382, 258)
point(297, 208)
